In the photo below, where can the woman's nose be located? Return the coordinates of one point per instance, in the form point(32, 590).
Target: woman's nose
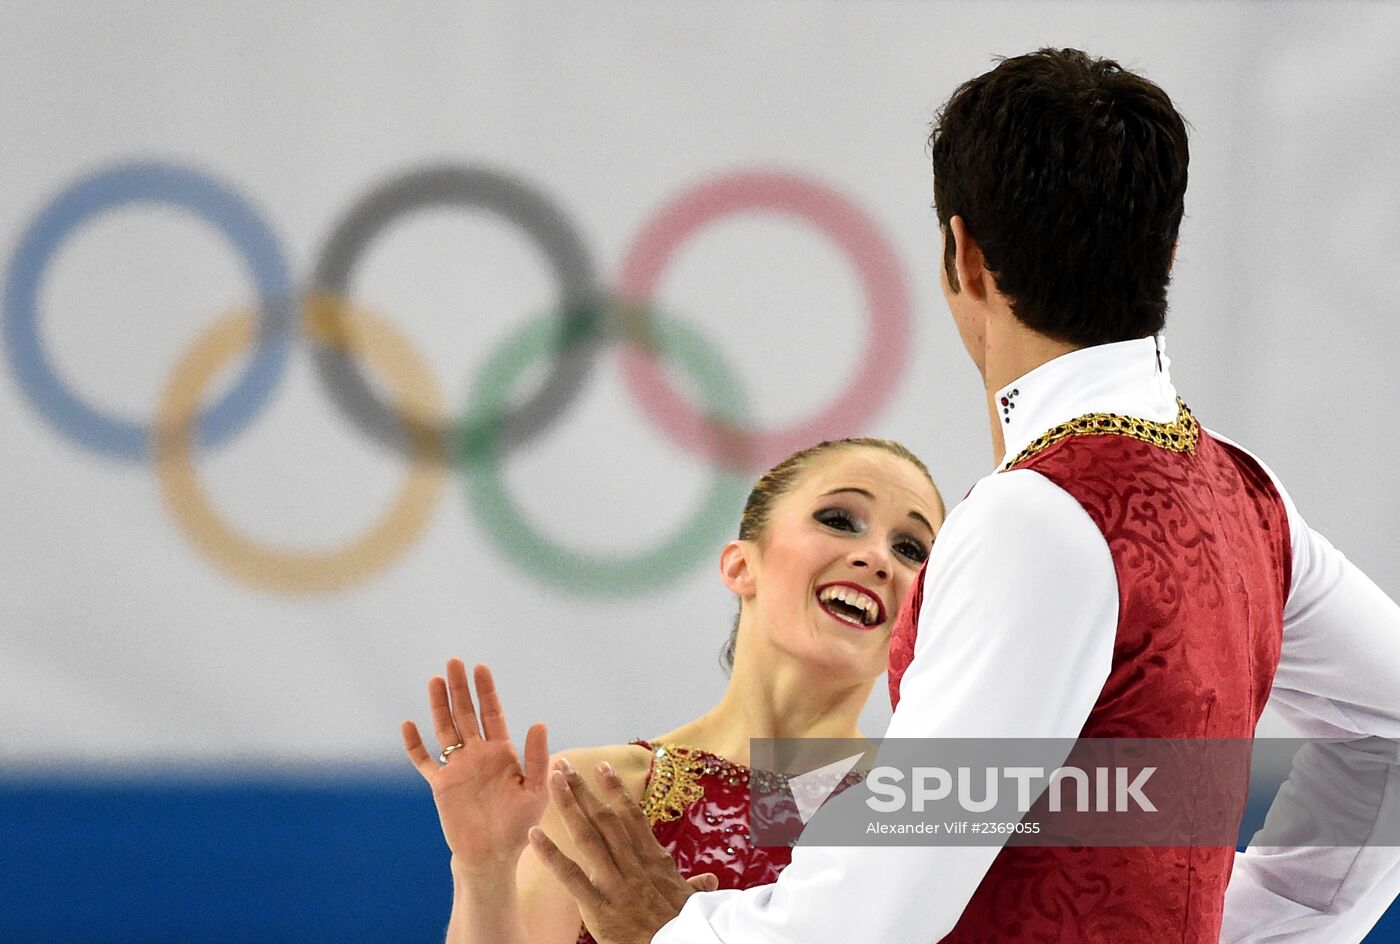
point(875, 562)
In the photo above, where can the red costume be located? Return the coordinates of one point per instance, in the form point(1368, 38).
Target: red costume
point(1200, 543)
point(698, 807)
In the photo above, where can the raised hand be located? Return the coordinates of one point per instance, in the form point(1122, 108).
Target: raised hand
point(625, 883)
point(485, 801)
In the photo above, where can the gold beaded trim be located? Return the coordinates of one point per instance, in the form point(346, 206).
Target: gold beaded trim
point(674, 784)
point(1180, 435)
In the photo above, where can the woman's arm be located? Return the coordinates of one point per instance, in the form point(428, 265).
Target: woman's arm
point(528, 905)
point(487, 803)
point(486, 907)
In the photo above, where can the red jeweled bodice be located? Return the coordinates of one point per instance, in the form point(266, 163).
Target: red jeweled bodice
point(698, 807)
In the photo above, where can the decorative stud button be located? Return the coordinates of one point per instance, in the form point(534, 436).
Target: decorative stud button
point(1008, 404)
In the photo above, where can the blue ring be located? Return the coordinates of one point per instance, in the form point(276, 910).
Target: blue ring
point(145, 182)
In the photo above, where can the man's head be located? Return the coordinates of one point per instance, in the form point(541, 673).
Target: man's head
point(1068, 176)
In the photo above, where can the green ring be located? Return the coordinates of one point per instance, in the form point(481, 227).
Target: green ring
point(513, 534)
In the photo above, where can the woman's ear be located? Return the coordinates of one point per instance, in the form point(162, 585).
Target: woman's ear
point(736, 567)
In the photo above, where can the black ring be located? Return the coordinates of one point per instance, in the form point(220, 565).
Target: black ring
point(541, 219)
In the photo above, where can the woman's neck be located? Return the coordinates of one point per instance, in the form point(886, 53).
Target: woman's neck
point(790, 701)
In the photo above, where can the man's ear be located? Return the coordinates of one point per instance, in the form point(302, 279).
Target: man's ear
point(736, 567)
point(968, 261)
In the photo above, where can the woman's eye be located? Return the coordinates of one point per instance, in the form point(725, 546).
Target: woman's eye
point(837, 518)
point(912, 550)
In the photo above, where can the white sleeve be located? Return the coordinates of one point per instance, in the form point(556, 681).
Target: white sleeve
point(1020, 579)
point(1338, 677)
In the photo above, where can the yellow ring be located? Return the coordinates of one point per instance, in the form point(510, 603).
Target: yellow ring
point(447, 751)
point(275, 568)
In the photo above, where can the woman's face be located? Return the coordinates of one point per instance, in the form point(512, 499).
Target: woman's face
point(839, 553)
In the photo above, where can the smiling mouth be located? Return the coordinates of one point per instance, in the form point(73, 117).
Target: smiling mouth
point(852, 605)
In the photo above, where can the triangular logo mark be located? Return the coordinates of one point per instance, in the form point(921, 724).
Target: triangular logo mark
point(815, 787)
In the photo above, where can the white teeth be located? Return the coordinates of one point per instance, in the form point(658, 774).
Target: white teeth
point(854, 598)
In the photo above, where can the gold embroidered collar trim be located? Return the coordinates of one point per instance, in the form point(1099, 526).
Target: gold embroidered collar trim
point(677, 779)
point(674, 783)
point(1180, 435)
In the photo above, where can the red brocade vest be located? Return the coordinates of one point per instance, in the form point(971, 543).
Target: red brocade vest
point(1200, 545)
point(698, 807)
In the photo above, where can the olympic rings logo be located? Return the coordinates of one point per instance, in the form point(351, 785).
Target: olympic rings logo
point(345, 340)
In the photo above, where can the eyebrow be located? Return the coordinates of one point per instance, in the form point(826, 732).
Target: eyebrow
point(860, 491)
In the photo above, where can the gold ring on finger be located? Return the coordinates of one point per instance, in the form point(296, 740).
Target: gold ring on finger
point(442, 758)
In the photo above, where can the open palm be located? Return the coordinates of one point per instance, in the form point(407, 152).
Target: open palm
point(485, 800)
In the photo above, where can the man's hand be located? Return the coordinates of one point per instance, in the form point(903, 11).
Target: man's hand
point(628, 885)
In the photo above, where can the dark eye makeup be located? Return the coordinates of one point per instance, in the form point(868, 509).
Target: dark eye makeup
point(842, 520)
point(838, 518)
point(913, 550)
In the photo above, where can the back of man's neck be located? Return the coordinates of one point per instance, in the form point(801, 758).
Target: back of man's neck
point(1013, 350)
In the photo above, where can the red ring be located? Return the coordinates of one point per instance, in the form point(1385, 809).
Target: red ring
point(854, 233)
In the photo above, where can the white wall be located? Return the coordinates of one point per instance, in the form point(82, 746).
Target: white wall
point(125, 644)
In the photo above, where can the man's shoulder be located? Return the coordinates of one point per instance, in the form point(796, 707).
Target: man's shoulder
point(1018, 492)
point(1019, 510)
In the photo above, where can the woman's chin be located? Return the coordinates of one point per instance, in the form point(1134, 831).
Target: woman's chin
point(850, 656)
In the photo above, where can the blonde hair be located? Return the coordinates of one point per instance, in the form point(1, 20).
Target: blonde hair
point(780, 479)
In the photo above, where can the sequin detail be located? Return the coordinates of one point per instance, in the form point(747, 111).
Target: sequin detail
point(675, 779)
point(674, 784)
point(1180, 435)
point(698, 805)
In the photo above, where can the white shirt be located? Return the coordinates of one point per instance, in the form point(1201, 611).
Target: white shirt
point(1016, 637)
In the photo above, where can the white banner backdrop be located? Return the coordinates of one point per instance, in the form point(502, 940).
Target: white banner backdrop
point(127, 645)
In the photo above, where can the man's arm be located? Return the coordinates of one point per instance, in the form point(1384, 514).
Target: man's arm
point(1015, 640)
point(1338, 677)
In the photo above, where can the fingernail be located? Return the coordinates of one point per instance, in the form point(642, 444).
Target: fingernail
point(606, 770)
point(565, 766)
point(536, 834)
point(557, 778)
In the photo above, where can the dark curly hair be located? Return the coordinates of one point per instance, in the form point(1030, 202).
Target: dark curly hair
point(1070, 172)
